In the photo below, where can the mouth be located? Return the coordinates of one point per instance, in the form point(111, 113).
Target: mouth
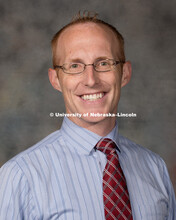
point(93, 97)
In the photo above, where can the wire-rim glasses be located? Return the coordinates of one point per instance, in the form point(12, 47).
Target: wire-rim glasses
point(103, 65)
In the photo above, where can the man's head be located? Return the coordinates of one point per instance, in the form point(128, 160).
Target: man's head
point(91, 90)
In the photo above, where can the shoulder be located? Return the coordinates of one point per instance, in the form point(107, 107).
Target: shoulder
point(140, 154)
point(128, 145)
point(35, 152)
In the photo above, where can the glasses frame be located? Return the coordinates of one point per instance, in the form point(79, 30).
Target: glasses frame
point(115, 63)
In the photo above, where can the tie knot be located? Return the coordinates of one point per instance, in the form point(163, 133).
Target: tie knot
point(106, 145)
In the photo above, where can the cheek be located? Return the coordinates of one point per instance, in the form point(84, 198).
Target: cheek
point(116, 86)
point(64, 82)
point(68, 85)
point(116, 79)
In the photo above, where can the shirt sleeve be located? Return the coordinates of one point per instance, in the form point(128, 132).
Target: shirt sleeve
point(16, 201)
point(171, 194)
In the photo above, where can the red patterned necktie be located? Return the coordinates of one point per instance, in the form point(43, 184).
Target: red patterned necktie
point(115, 192)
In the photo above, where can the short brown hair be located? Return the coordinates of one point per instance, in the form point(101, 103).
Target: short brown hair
point(86, 17)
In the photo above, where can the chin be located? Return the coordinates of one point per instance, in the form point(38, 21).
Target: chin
point(93, 118)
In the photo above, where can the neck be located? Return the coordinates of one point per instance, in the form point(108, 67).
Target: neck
point(102, 128)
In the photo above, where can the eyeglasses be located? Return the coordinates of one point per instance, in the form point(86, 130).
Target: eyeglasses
point(99, 66)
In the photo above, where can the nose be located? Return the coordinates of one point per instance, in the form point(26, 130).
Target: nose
point(91, 77)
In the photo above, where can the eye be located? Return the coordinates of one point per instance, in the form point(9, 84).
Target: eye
point(103, 63)
point(74, 65)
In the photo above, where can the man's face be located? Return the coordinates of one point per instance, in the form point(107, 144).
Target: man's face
point(90, 91)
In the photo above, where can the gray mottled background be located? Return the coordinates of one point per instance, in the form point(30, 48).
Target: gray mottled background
point(27, 98)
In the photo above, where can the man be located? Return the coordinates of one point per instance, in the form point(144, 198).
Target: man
point(70, 174)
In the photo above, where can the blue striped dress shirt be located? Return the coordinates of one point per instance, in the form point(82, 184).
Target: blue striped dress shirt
point(61, 178)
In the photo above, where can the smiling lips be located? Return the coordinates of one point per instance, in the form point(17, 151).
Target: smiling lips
point(93, 97)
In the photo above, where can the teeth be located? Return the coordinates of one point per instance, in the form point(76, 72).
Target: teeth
point(93, 97)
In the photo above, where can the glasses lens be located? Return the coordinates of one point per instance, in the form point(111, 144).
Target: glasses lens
point(104, 65)
point(73, 68)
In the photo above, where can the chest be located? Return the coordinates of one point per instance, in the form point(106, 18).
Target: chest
point(72, 189)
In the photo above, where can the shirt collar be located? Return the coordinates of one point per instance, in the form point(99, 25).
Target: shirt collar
point(82, 140)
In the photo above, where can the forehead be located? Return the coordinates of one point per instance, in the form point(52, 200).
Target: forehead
point(90, 26)
point(82, 29)
point(85, 35)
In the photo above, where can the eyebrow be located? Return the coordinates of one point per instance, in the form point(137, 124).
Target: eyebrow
point(79, 60)
point(103, 58)
point(76, 60)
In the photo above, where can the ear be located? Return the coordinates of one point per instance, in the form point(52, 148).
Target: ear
point(126, 75)
point(53, 78)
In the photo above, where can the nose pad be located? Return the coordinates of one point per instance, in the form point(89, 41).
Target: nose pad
point(91, 64)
